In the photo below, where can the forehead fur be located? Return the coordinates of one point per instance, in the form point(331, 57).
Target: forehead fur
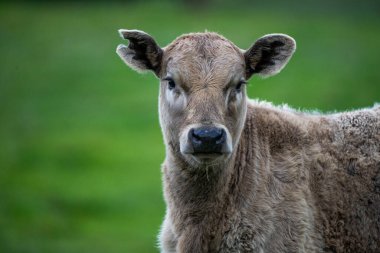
point(204, 55)
point(202, 43)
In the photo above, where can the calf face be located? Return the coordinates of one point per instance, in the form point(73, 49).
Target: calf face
point(203, 101)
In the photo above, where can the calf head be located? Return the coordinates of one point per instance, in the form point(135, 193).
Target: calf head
point(203, 100)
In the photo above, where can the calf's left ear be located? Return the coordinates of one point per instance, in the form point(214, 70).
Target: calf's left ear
point(142, 52)
point(269, 55)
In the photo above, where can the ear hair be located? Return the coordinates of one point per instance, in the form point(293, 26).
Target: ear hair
point(142, 52)
point(269, 54)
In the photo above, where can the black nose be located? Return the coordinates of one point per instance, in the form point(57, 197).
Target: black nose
point(207, 139)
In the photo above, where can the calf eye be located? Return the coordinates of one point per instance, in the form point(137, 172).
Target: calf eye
point(171, 84)
point(239, 86)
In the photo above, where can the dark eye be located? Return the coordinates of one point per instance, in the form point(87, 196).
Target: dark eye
point(239, 86)
point(171, 84)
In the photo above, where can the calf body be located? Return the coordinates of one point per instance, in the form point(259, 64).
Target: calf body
point(279, 180)
point(297, 183)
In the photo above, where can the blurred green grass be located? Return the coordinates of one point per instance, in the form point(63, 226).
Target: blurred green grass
point(79, 136)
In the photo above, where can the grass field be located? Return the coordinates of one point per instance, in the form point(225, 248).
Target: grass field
point(80, 143)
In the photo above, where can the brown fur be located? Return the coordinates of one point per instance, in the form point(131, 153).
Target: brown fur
point(294, 182)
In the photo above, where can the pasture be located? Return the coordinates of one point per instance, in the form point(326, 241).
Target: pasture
point(80, 142)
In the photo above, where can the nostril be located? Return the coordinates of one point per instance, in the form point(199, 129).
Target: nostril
point(195, 136)
point(219, 133)
point(221, 137)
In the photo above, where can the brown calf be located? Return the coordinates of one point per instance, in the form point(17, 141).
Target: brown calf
point(245, 176)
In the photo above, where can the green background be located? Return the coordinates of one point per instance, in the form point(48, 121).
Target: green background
point(80, 143)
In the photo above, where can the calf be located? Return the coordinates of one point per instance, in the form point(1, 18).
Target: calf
point(245, 176)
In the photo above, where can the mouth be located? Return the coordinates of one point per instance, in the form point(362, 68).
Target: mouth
point(207, 155)
point(208, 158)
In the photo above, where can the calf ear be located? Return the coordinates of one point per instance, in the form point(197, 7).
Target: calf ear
point(142, 52)
point(269, 54)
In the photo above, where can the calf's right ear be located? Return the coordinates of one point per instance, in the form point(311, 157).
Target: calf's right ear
point(142, 52)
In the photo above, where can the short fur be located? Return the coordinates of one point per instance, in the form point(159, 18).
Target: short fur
point(295, 182)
